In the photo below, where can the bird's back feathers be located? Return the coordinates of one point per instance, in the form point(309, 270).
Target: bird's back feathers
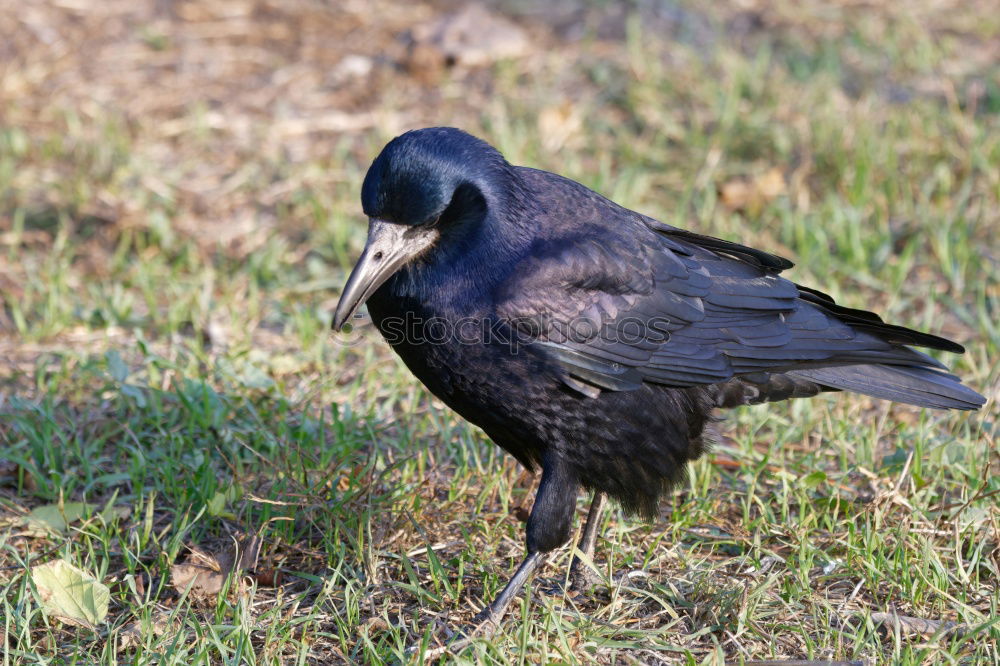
point(707, 311)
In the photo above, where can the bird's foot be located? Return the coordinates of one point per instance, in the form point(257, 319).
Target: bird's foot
point(583, 577)
point(483, 625)
point(487, 621)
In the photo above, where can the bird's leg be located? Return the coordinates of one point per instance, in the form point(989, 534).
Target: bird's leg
point(580, 572)
point(495, 611)
point(548, 528)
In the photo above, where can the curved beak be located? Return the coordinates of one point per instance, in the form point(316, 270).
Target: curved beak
point(389, 247)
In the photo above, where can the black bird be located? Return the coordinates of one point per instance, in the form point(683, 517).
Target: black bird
point(594, 342)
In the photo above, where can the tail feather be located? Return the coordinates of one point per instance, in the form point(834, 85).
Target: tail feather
point(913, 385)
point(869, 322)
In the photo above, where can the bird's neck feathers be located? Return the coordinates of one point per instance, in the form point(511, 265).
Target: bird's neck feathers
point(509, 225)
point(479, 248)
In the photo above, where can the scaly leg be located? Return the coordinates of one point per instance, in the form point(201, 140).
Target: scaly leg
point(581, 575)
point(495, 611)
point(548, 528)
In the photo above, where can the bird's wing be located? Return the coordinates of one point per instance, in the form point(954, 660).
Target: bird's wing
point(671, 307)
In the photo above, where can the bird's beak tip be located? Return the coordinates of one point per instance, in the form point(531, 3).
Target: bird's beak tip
point(340, 317)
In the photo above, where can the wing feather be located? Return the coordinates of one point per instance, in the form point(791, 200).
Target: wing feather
point(709, 312)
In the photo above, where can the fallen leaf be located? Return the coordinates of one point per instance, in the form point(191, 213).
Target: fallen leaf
point(376, 623)
point(752, 195)
point(70, 594)
point(204, 574)
point(559, 125)
point(268, 577)
point(735, 194)
point(907, 625)
point(53, 519)
point(770, 184)
point(158, 624)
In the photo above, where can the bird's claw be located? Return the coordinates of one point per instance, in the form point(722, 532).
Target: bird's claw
point(483, 625)
point(583, 578)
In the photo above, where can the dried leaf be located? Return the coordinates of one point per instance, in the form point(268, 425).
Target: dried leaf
point(70, 594)
point(559, 125)
point(159, 623)
point(735, 194)
point(204, 574)
point(916, 625)
point(753, 195)
point(202, 581)
point(771, 184)
point(268, 577)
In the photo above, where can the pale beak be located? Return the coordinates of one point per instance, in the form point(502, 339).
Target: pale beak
point(390, 246)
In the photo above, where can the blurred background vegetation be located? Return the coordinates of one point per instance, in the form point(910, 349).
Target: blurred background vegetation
point(179, 186)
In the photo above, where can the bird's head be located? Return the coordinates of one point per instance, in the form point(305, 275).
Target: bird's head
point(426, 191)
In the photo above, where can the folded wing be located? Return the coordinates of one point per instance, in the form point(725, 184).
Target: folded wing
point(666, 306)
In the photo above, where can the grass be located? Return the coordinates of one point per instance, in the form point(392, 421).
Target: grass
point(169, 262)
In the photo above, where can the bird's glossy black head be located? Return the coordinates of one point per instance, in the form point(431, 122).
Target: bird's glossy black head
point(419, 175)
point(427, 196)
